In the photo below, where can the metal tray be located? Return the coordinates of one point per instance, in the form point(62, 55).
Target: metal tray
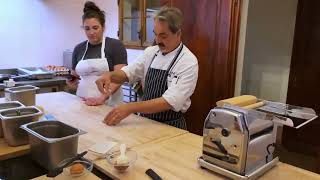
point(36, 73)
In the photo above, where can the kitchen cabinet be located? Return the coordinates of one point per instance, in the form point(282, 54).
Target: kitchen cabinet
point(55, 84)
point(48, 89)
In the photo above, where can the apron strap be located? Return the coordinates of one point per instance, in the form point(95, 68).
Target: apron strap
point(87, 44)
point(175, 58)
point(172, 62)
point(102, 48)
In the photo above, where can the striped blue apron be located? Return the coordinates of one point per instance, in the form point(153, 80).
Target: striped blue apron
point(155, 86)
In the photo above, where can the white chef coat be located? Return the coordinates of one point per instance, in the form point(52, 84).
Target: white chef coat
point(182, 78)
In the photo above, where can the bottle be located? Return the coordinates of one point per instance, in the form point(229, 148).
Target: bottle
point(10, 83)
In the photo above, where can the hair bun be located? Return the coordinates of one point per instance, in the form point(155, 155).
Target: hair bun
point(90, 6)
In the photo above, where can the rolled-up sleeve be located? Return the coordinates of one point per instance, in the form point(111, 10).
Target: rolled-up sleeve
point(135, 71)
point(179, 92)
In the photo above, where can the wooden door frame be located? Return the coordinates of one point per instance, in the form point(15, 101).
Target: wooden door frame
point(229, 50)
point(234, 43)
point(221, 64)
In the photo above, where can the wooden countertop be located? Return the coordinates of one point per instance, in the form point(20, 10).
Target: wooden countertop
point(169, 151)
point(70, 109)
point(89, 176)
point(7, 152)
point(176, 158)
point(133, 131)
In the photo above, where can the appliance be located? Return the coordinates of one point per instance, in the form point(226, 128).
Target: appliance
point(239, 143)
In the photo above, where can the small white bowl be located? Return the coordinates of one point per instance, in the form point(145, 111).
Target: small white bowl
point(112, 160)
point(88, 166)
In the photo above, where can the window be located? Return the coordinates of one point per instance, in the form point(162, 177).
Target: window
point(136, 21)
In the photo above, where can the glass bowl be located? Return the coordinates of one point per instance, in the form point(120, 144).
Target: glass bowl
point(112, 160)
point(73, 171)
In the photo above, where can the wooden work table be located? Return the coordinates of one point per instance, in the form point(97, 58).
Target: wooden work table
point(133, 130)
point(7, 152)
point(169, 151)
point(176, 158)
point(88, 176)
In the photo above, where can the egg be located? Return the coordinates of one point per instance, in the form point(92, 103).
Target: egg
point(77, 168)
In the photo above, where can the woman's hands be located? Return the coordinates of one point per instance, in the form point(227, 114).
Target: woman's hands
point(95, 101)
point(73, 83)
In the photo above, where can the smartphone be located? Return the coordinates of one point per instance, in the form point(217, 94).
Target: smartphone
point(71, 77)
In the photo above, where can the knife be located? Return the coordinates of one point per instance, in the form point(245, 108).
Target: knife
point(153, 175)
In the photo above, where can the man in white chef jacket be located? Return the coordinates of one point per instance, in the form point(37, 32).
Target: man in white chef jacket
point(168, 72)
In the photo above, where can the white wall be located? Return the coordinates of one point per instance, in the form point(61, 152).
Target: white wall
point(268, 48)
point(36, 32)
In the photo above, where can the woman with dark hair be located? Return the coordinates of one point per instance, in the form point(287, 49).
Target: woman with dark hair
point(93, 57)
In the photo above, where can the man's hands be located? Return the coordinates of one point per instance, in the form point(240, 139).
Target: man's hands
point(117, 114)
point(103, 83)
point(124, 110)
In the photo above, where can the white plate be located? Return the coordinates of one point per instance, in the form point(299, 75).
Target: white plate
point(102, 148)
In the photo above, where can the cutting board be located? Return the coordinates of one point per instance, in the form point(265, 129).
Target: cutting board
point(7, 152)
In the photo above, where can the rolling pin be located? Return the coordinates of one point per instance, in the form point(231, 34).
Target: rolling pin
point(254, 106)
